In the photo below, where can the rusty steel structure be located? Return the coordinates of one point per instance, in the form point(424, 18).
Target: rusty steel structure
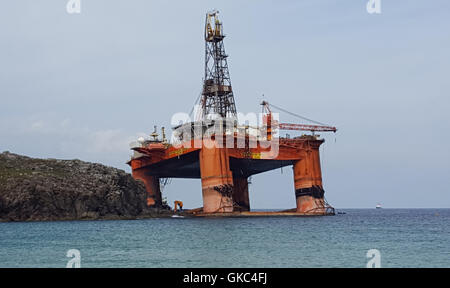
point(225, 157)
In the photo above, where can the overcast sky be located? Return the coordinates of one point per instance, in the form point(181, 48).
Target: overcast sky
point(85, 85)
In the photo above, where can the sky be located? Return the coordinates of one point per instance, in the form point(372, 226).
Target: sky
point(83, 86)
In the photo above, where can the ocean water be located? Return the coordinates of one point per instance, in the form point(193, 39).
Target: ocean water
point(404, 237)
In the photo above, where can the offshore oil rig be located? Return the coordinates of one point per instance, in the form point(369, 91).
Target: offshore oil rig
point(224, 154)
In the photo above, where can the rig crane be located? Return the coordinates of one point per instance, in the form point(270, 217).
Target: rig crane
point(319, 127)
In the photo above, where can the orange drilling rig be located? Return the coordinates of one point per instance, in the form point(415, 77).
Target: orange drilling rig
point(224, 154)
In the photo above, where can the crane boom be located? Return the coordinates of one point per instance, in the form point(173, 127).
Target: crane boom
point(291, 126)
point(306, 127)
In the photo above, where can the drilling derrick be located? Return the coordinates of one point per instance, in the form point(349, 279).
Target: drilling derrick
point(217, 95)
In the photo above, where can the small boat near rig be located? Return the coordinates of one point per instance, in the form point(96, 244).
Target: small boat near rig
point(224, 154)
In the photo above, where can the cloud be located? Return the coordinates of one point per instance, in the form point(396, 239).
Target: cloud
point(109, 141)
point(54, 137)
point(37, 125)
point(65, 123)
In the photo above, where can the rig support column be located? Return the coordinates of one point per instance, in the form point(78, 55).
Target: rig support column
point(151, 185)
point(240, 193)
point(217, 180)
point(308, 183)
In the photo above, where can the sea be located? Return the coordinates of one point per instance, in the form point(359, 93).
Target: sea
point(399, 237)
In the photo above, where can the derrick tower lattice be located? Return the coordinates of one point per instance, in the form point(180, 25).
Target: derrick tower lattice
point(217, 94)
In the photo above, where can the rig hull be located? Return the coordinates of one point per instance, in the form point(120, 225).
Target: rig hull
point(224, 173)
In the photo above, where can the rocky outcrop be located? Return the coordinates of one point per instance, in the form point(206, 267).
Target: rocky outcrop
point(50, 189)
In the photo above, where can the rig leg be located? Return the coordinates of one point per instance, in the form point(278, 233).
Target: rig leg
point(240, 193)
point(308, 184)
point(217, 180)
point(152, 186)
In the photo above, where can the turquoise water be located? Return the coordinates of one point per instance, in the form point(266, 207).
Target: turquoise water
point(404, 237)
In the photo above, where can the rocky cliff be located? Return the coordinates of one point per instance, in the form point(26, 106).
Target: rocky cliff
point(50, 189)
